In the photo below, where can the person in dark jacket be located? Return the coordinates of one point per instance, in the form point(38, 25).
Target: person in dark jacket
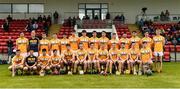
point(10, 48)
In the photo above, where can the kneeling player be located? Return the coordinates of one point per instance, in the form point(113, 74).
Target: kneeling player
point(146, 56)
point(103, 57)
point(17, 63)
point(30, 63)
point(134, 59)
point(68, 57)
point(81, 60)
point(113, 54)
point(124, 57)
point(55, 62)
point(92, 61)
point(43, 62)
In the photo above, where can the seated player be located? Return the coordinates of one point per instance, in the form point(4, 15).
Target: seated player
point(114, 40)
point(69, 58)
point(81, 60)
point(84, 40)
point(134, 59)
point(63, 42)
point(22, 44)
point(135, 39)
point(124, 58)
point(43, 62)
point(44, 44)
point(95, 40)
point(113, 54)
point(146, 55)
point(55, 62)
point(55, 44)
point(73, 41)
point(17, 63)
point(92, 61)
point(103, 58)
point(125, 40)
point(34, 43)
point(104, 40)
point(30, 63)
point(159, 42)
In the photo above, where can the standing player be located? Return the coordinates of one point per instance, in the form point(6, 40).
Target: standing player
point(103, 57)
point(104, 40)
point(34, 43)
point(134, 59)
point(159, 42)
point(69, 58)
point(135, 39)
point(84, 40)
point(55, 44)
point(125, 40)
point(95, 40)
point(146, 55)
point(147, 39)
point(30, 62)
point(44, 44)
point(113, 54)
point(92, 51)
point(124, 57)
point(63, 42)
point(17, 63)
point(55, 62)
point(81, 60)
point(43, 62)
point(74, 41)
point(22, 44)
point(114, 41)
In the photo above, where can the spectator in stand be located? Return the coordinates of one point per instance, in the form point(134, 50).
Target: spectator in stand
point(69, 21)
point(74, 21)
point(162, 16)
point(87, 17)
point(178, 39)
point(108, 15)
point(56, 17)
point(39, 19)
point(49, 19)
point(5, 26)
point(45, 27)
point(33, 20)
point(44, 18)
point(117, 18)
point(167, 15)
point(29, 27)
point(9, 18)
point(10, 49)
point(96, 17)
point(35, 26)
point(122, 18)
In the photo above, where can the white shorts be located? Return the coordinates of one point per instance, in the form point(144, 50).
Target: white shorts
point(36, 54)
point(24, 55)
point(158, 53)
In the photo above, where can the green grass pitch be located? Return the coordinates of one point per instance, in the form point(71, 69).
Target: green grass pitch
point(170, 78)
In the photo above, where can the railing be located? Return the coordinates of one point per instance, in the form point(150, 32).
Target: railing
point(157, 18)
point(23, 15)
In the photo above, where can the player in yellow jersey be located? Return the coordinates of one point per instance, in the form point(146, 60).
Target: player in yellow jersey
point(147, 39)
point(135, 39)
point(17, 63)
point(114, 40)
point(55, 62)
point(81, 60)
point(113, 54)
point(44, 44)
point(95, 40)
point(74, 41)
point(22, 44)
point(159, 42)
point(43, 62)
point(92, 51)
point(68, 57)
point(104, 40)
point(63, 42)
point(125, 40)
point(103, 57)
point(134, 54)
point(146, 55)
point(124, 58)
point(55, 44)
point(84, 40)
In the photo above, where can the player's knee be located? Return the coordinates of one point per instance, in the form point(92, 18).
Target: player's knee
point(25, 68)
